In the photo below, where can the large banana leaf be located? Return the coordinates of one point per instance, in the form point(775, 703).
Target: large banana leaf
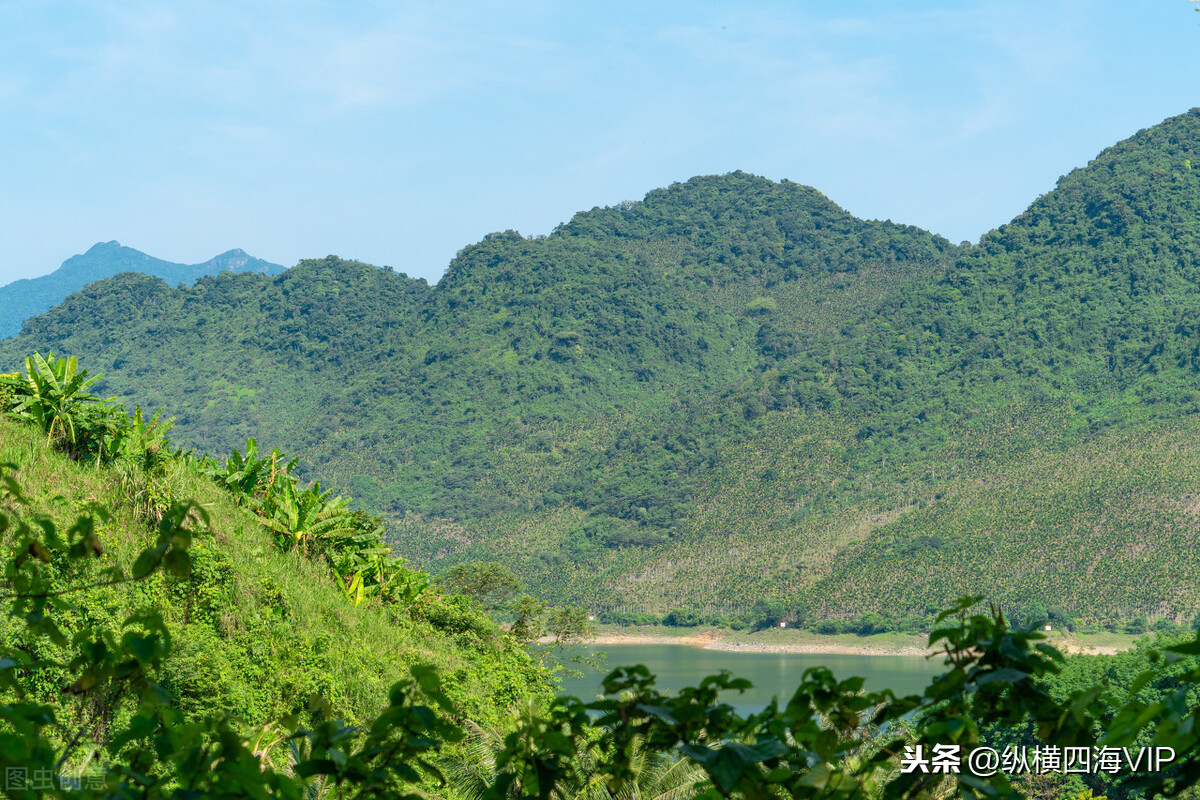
point(53, 395)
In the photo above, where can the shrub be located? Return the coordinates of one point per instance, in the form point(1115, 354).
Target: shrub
point(678, 618)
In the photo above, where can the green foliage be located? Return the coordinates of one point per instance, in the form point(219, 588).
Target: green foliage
point(317, 524)
point(568, 625)
point(246, 476)
point(731, 364)
point(8, 386)
point(493, 586)
point(767, 613)
point(248, 630)
point(679, 618)
point(53, 396)
point(830, 740)
point(594, 318)
point(155, 752)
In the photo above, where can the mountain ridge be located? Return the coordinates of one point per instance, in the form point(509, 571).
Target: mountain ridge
point(28, 297)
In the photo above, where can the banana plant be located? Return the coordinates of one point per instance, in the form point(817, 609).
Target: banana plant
point(53, 395)
point(137, 440)
point(357, 565)
point(312, 520)
point(302, 517)
point(9, 382)
point(403, 585)
point(365, 567)
point(248, 477)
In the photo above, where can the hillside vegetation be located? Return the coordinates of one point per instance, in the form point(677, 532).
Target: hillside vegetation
point(734, 391)
point(182, 628)
point(256, 629)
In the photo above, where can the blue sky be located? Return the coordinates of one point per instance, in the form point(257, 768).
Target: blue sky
point(397, 133)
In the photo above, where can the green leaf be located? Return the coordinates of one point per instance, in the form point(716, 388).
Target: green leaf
point(1004, 675)
point(178, 563)
point(147, 562)
point(1191, 648)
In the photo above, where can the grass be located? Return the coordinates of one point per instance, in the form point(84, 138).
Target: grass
point(256, 630)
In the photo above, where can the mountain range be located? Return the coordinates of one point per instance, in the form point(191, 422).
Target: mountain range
point(28, 297)
point(733, 400)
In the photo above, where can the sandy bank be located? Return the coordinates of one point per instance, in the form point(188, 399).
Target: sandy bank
point(714, 640)
point(694, 640)
point(888, 645)
point(823, 648)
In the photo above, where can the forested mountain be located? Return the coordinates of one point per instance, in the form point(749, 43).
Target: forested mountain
point(27, 297)
point(593, 325)
point(734, 390)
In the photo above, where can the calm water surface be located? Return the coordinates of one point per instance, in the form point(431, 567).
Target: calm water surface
point(773, 674)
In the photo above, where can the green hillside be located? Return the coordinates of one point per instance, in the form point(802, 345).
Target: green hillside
point(172, 634)
point(1093, 290)
point(591, 328)
point(256, 631)
point(1106, 529)
point(733, 391)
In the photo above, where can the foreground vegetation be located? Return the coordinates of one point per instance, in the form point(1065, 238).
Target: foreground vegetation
point(182, 628)
point(264, 592)
point(829, 740)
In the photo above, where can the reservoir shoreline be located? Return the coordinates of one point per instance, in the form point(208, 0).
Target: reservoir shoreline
point(785, 641)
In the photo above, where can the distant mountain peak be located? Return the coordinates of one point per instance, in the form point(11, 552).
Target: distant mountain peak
point(30, 297)
point(232, 259)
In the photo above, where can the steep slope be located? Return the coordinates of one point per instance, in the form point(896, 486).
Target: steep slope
point(28, 297)
point(1093, 290)
point(256, 631)
point(1105, 531)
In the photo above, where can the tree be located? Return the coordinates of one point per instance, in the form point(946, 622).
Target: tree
point(568, 625)
point(766, 613)
point(52, 395)
point(492, 585)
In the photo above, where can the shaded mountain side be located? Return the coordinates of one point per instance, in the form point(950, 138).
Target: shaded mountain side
point(29, 297)
point(730, 390)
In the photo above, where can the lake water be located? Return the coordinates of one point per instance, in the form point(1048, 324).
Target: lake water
point(773, 674)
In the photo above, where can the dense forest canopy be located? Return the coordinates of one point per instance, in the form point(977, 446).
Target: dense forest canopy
point(732, 390)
